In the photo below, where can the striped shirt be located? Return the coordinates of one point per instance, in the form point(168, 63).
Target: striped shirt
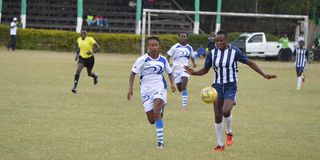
point(224, 63)
point(301, 55)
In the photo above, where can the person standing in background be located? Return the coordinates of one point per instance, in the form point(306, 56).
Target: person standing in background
point(13, 34)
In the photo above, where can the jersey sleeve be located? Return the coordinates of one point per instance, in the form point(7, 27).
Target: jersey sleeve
point(307, 54)
point(294, 52)
point(208, 61)
point(171, 50)
point(136, 68)
point(240, 56)
point(92, 41)
point(167, 67)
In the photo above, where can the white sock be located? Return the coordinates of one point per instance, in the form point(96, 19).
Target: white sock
point(219, 132)
point(299, 82)
point(228, 121)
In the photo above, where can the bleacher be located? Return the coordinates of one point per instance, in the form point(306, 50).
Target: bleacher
point(62, 15)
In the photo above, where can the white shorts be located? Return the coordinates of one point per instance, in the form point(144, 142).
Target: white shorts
point(148, 96)
point(179, 72)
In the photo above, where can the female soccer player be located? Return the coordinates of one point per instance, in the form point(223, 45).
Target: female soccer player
point(301, 56)
point(181, 53)
point(86, 46)
point(153, 86)
point(223, 60)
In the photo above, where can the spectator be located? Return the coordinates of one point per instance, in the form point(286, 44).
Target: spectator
point(285, 52)
point(90, 20)
point(13, 34)
point(200, 52)
point(132, 3)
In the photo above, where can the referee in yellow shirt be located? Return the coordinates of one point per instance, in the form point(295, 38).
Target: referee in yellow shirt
point(86, 46)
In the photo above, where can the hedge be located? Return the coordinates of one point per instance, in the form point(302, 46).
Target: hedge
point(57, 40)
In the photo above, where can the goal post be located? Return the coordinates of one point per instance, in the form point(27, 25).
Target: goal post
point(147, 12)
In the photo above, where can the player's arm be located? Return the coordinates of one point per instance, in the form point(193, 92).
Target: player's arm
point(76, 46)
point(131, 80)
point(200, 72)
point(193, 62)
point(307, 57)
point(172, 85)
point(168, 58)
point(255, 67)
point(96, 48)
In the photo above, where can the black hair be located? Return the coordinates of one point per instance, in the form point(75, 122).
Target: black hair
point(182, 33)
point(153, 38)
point(222, 32)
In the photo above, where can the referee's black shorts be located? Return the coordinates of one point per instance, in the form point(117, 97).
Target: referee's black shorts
point(87, 62)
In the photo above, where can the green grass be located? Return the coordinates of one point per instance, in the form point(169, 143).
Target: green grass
point(41, 119)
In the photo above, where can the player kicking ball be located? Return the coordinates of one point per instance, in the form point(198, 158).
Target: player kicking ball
point(223, 60)
point(153, 86)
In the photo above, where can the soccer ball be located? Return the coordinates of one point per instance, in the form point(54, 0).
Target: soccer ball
point(208, 94)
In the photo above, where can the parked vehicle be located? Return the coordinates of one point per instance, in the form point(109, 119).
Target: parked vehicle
point(256, 45)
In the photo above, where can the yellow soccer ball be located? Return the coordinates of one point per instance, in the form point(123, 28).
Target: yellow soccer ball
point(209, 94)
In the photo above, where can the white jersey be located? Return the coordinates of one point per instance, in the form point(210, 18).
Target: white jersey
point(13, 28)
point(180, 54)
point(150, 71)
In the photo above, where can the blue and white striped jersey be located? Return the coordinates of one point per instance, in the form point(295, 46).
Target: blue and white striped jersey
point(301, 55)
point(150, 71)
point(224, 63)
point(180, 54)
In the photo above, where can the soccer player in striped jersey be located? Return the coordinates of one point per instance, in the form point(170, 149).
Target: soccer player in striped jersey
point(301, 56)
point(181, 52)
point(153, 86)
point(86, 46)
point(223, 60)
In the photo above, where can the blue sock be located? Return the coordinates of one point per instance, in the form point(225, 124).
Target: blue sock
point(184, 98)
point(159, 129)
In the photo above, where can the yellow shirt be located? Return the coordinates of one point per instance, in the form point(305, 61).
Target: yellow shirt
point(85, 46)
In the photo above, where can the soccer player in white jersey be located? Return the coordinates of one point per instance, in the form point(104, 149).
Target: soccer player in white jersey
point(301, 56)
point(223, 60)
point(153, 86)
point(181, 53)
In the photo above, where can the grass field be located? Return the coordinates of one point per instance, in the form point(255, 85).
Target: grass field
point(41, 119)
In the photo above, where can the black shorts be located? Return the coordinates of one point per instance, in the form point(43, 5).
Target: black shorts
point(87, 62)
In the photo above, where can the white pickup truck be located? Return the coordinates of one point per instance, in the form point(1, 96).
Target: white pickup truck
point(256, 45)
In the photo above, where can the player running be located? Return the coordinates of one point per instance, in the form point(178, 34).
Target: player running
point(301, 57)
point(181, 53)
point(223, 60)
point(153, 86)
point(86, 46)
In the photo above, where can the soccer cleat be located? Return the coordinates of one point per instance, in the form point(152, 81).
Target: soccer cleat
point(298, 88)
point(160, 145)
point(95, 79)
point(229, 141)
point(218, 149)
point(184, 109)
point(74, 90)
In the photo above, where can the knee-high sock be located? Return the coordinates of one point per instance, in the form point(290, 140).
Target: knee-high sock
point(299, 82)
point(76, 79)
point(219, 132)
point(159, 130)
point(184, 98)
point(228, 121)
